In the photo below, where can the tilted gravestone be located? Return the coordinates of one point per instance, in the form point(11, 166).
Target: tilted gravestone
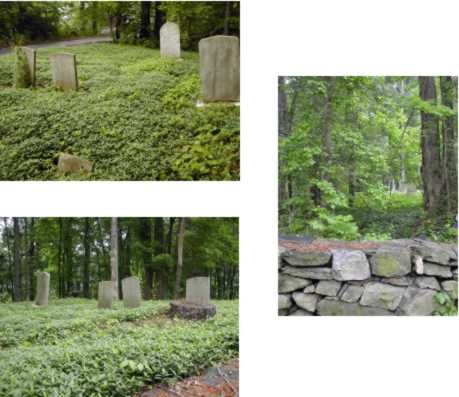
point(197, 304)
point(131, 292)
point(26, 61)
point(219, 68)
point(42, 289)
point(64, 71)
point(169, 40)
point(105, 295)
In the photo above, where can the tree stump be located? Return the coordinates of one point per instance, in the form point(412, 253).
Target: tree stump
point(192, 311)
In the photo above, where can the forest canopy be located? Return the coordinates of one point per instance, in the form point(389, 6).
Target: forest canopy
point(368, 157)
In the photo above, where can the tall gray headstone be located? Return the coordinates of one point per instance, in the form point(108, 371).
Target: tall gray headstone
point(105, 295)
point(26, 61)
point(42, 289)
point(64, 71)
point(219, 68)
point(131, 292)
point(169, 40)
point(198, 290)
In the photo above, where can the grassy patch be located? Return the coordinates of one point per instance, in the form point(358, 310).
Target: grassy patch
point(134, 116)
point(102, 353)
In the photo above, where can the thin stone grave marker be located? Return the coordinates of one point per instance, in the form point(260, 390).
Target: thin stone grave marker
point(26, 61)
point(169, 40)
point(42, 289)
point(64, 71)
point(131, 292)
point(105, 295)
point(198, 290)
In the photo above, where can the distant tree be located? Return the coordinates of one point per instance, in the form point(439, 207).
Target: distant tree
point(180, 243)
point(114, 256)
point(17, 281)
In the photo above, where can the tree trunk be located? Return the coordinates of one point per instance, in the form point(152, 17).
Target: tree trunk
point(430, 145)
point(449, 98)
point(159, 249)
point(180, 242)
point(87, 256)
point(17, 295)
point(145, 238)
point(31, 259)
point(114, 256)
point(144, 31)
point(159, 20)
point(327, 129)
point(10, 258)
point(227, 16)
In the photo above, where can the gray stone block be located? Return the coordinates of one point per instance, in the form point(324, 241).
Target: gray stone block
point(306, 259)
point(284, 302)
point(64, 71)
point(219, 68)
point(317, 273)
point(105, 295)
point(42, 289)
point(350, 265)
point(198, 290)
point(382, 295)
point(391, 262)
point(450, 287)
point(70, 164)
point(289, 284)
point(169, 39)
point(418, 302)
point(328, 287)
point(131, 292)
point(331, 307)
point(428, 282)
point(305, 301)
point(432, 269)
point(351, 293)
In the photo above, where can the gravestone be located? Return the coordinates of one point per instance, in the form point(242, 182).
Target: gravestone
point(219, 68)
point(105, 295)
point(197, 304)
point(26, 61)
point(70, 164)
point(42, 289)
point(131, 292)
point(64, 71)
point(169, 40)
point(198, 290)
point(411, 189)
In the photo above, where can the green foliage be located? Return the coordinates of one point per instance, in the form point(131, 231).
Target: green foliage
point(448, 307)
point(333, 226)
point(135, 116)
point(23, 79)
point(119, 356)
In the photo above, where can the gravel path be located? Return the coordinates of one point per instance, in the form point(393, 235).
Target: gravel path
point(65, 43)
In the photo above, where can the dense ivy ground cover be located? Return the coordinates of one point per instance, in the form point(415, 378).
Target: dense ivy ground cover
point(134, 115)
point(83, 351)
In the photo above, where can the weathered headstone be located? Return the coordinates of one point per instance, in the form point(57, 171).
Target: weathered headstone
point(64, 71)
point(26, 60)
point(169, 40)
point(69, 164)
point(105, 295)
point(131, 292)
point(198, 290)
point(42, 289)
point(219, 68)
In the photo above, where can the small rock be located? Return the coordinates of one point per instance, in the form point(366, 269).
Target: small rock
point(328, 287)
point(289, 284)
point(427, 282)
point(418, 302)
point(284, 302)
point(306, 259)
point(432, 269)
point(330, 307)
point(391, 261)
point(310, 289)
point(399, 281)
point(281, 252)
point(352, 293)
point(306, 301)
point(418, 264)
point(69, 164)
point(350, 265)
point(450, 287)
point(319, 273)
point(382, 295)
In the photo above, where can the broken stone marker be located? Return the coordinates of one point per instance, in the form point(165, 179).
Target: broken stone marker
point(197, 304)
point(26, 60)
point(64, 71)
point(69, 164)
point(131, 292)
point(219, 68)
point(105, 295)
point(169, 40)
point(42, 289)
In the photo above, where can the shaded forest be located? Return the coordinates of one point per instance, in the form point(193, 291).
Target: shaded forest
point(80, 252)
point(368, 157)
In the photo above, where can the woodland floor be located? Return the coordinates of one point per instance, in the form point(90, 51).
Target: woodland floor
point(134, 116)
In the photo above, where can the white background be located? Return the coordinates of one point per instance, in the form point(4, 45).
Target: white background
point(296, 356)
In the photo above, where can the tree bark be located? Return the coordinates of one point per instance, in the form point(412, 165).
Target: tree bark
point(159, 20)
point(145, 238)
point(114, 256)
point(430, 145)
point(180, 243)
point(87, 256)
point(227, 16)
point(144, 31)
point(17, 295)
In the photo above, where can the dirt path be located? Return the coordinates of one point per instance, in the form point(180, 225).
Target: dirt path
point(216, 382)
point(64, 43)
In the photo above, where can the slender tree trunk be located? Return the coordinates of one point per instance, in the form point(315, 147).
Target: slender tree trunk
point(159, 20)
point(31, 259)
point(180, 242)
point(227, 17)
point(145, 238)
point(430, 145)
point(59, 261)
point(87, 257)
point(114, 256)
point(327, 129)
point(159, 249)
point(17, 295)
point(169, 235)
point(144, 31)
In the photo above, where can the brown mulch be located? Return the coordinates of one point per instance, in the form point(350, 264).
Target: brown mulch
point(327, 245)
point(216, 382)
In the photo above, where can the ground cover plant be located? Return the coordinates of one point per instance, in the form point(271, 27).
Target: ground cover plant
point(134, 115)
point(107, 352)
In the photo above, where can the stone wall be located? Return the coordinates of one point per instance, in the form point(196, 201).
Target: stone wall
point(397, 277)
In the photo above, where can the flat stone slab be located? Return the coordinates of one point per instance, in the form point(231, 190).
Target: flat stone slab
point(70, 164)
point(382, 295)
point(190, 311)
point(352, 293)
point(331, 307)
point(418, 302)
point(306, 259)
point(105, 295)
point(131, 292)
point(328, 287)
point(391, 262)
point(350, 265)
point(314, 273)
point(284, 301)
point(432, 269)
point(289, 284)
point(42, 289)
point(306, 301)
point(198, 290)
point(26, 65)
point(64, 71)
point(169, 40)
